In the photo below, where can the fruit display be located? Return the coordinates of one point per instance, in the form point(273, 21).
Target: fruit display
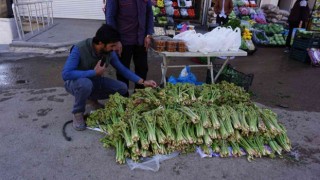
point(155, 10)
point(176, 13)
point(160, 3)
point(247, 35)
point(191, 13)
point(162, 20)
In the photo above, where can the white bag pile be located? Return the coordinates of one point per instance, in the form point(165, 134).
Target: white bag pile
point(274, 14)
point(219, 39)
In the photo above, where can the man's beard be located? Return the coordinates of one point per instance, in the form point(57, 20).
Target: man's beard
point(104, 52)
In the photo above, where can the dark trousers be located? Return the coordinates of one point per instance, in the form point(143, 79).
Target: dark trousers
point(292, 25)
point(222, 20)
point(9, 9)
point(92, 88)
point(139, 56)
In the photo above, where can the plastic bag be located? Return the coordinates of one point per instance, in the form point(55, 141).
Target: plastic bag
point(152, 163)
point(185, 77)
point(314, 55)
point(169, 10)
point(235, 38)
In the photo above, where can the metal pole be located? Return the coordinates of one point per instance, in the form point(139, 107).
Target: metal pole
point(29, 17)
point(35, 6)
point(42, 16)
point(16, 20)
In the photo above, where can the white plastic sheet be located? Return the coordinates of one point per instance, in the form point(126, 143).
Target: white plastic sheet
point(151, 164)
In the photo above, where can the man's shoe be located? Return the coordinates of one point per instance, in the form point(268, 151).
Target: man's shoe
point(287, 50)
point(95, 104)
point(78, 122)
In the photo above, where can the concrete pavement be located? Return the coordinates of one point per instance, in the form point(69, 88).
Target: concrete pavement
point(58, 38)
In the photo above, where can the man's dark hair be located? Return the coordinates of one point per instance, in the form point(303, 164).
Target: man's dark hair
point(106, 34)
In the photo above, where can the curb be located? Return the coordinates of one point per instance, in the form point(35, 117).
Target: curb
point(40, 47)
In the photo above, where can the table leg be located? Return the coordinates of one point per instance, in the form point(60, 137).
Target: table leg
point(210, 67)
point(164, 70)
point(221, 69)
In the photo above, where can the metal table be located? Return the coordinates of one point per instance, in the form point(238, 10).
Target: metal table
point(167, 55)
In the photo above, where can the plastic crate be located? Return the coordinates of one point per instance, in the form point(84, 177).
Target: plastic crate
point(299, 55)
point(301, 43)
point(231, 75)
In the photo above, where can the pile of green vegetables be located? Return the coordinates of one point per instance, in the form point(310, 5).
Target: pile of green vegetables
point(277, 40)
point(183, 116)
point(270, 28)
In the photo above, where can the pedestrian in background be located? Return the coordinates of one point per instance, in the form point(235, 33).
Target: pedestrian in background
point(298, 17)
point(223, 8)
point(134, 21)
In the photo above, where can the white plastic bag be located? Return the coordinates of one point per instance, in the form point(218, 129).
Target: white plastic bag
point(223, 38)
point(195, 42)
point(151, 164)
point(212, 40)
point(185, 35)
point(236, 40)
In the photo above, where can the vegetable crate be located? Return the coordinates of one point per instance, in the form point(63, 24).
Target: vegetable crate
point(231, 75)
point(299, 54)
point(304, 43)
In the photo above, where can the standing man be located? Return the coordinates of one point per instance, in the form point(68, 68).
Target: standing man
point(134, 21)
point(84, 69)
point(298, 17)
point(223, 8)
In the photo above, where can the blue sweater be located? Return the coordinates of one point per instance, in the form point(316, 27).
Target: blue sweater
point(70, 70)
point(132, 18)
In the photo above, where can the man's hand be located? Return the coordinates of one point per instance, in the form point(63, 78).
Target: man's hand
point(147, 42)
point(150, 83)
point(119, 48)
point(300, 24)
point(99, 69)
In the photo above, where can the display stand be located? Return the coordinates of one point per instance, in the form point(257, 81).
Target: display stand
point(315, 17)
point(167, 55)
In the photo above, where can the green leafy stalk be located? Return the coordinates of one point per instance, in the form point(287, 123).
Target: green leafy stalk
point(214, 118)
point(192, 115)
point(204, 118)
point(144, 140)
point(224, 149)
point(234, 118)
point(215, 146)
point(160, 136)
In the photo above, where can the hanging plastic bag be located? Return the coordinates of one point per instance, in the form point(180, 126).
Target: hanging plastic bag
point(151, 164)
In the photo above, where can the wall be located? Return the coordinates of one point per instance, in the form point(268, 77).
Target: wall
point(288, 4)
point(274, 2)
point(3, 9)
point(8, 30)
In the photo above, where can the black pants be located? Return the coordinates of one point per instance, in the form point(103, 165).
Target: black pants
point(9, 8)
point(139, 56)
point(222, 20)
point(292, 25)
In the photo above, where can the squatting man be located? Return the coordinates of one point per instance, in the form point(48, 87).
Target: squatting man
point(84, 69)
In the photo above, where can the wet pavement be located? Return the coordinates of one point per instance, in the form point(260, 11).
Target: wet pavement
point(278, 80)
